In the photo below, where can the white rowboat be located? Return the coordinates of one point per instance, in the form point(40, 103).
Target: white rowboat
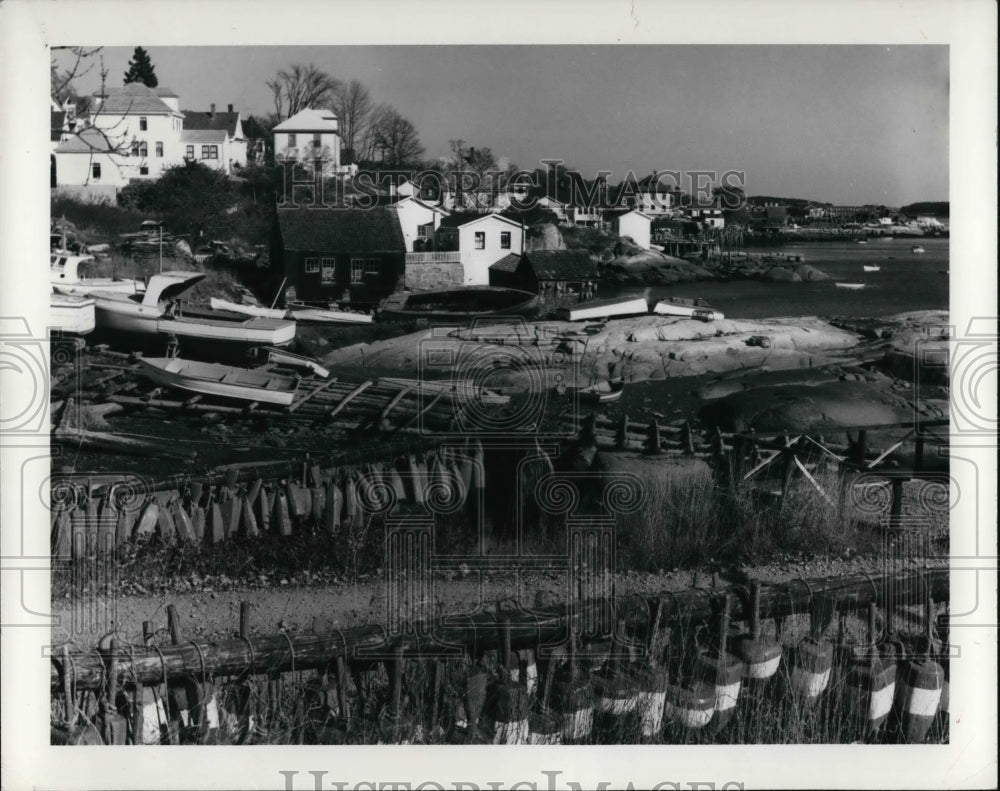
point(604, 309)
point(875, 268)
point(669, 307)
point(248, 310)
point(253, 384)
point(854, 286)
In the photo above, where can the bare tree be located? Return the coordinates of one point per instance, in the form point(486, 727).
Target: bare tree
point(475, 167)
point(352, 103)
point(300, 87)
point(395, 138)
point(61, 86)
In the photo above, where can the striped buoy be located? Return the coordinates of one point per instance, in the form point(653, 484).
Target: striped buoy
point(298, 505)
point(813, 660)
point(253, 490)
point(722, 670)
point(616, 694)
point(690, 705)
point(919, 689)
point(528, 669)
point(350, 500)
point(155, 725)
point(126, 524)
point(197, 522)
point(572, 698)
point(761, 656)
point(872, 679)
point(544, 726)
point(107, 524)
point(505, 719)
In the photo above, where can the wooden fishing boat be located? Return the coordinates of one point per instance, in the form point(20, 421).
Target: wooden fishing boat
point(306, 313)
point(158, 312)
point(917, 248)
point(282, 357)
point(248, 310)
point(687, 308)
point(68, 275)
point(71, 314)
point(261, 385)
point(604, 309)
point(604, 392)
point(874, 268)
point(854, 286)
point(461, 303)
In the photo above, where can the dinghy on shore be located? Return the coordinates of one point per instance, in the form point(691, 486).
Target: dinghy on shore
point(261, 385)
point(604, 309)
point(874, 268)
point(687, 308)
point(854, 286)
point(460, 303)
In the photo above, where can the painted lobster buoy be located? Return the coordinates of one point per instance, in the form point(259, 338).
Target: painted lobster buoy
point(528, 670)
point(265, 505)
point(147, 522)
point(543, 728)
point(722, 670)
point(615, 692)
point(216, 523)
point(253, 490)
point(298, 505)
point(281, 516)
point(62, 539)
point(155, 725)
point(572, 699)
point(350, 500)
point(692, 706)
point(474, 703)
point(919, 688)
point(813, 660)
point(165, 527)
point(333, 508)
point(465, 466)
point(249, 518)
point(505, 719)
point(651, 683)
point(125, 526)
point(197, 491)
point(182, 522)
point(318, 501)
point(871, 680)
point(761, 656)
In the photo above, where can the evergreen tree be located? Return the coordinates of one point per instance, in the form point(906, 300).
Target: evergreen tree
point(140, 69)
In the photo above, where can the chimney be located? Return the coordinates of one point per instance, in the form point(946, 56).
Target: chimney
point(211, 113)
point(230, 110)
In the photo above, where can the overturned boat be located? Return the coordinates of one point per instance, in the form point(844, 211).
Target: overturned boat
point(158, 311)
point(461, 303)
point(687, 308)
point(604, 309)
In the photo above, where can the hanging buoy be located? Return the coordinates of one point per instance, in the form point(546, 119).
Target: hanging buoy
point(505, 719)
point(198, 521)
point(282, 518)
point(197, 491)
point(476, 691)
point(147, 522)
point(543, 725)
point(692, 706)
point(350, 501)
point(107, 526)
point(264, 507)
point(465, 466)
point(253, 490)
point(165, 527)
point(651, 683)
point(93, 522)
point(182, 522)
point(379, 484)
point(528, 670)
point(615, 692)
point(919, 688)
point(155, 725)
point(572, 698)
point(415, 482)
point(249, 518)
point(814, 656)
point(871, 680)
point(230, 509)
point(125, 526)
point(761, 656)
point(216, 524)
point(396, 481)
point(333, 508)
point(317, 499)
point(298, 507)
point(62, 541)
point(722, 670)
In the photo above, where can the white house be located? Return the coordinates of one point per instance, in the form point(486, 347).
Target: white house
point(710, 217)
point(419, 222)
point(310, 135)
point(215, 139)
point(555, 206)
point(636, 225)
point(481, 240)
point(654, 197)
point(90, 159)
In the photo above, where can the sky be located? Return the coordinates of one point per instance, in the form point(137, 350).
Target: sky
point(840, 124)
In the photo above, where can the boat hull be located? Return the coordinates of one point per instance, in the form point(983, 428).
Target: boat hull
point(460, 304)
point(321, 316)
point(604, 309)
point(257, 311)
point(668, 308)
point(851, 286)
point(72, 315)
point(184, 375)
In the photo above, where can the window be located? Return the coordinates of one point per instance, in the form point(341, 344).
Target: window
point(312, 266)
point(135, 148)
point(291, 139)
point(426, 229)
point(95, 170)
point(143, 126)
point(159, 149)
point(329, 272)
point(505, 240)
point(317, 140)
point(189, 152)
point(143, 170)
point(143, 151)
point(209, 152)
point(363, 266)
point(480, 240)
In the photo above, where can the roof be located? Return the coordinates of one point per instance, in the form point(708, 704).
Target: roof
point(136, 99)
point(561, 264)
point(56, 125)
point(508, 263)
point(309, 120)
point(88, 141)
point(660, 185)
point(619, 213)
point(203, 135)
point(163, 90)
point(341, 230)
point(227, 122)
point(458, 219)
point(418, 202)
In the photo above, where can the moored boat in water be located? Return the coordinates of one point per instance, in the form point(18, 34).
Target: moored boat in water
point(460, 303)
point(917, 248)
point(604, 309)
point(158, 311)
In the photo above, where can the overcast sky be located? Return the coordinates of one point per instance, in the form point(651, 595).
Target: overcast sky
point(844, 124)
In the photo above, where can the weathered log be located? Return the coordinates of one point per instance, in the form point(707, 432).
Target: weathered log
point(366, 644)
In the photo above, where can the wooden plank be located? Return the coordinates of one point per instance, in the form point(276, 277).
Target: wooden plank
point(392, 404)
point(192, 400)
point(348, 398)
point(422, 412)
point(312, 394)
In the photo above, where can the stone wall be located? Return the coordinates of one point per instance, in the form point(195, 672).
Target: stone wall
point(433, 275)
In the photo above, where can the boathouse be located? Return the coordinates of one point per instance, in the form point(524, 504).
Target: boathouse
point(353, 256)
point(546, 272)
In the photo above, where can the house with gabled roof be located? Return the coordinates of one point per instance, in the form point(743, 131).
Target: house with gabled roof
point(224, 131)
point(549, 273)
point(310, 135)
point(481, 240)
point(635, 224)
point(353, 256)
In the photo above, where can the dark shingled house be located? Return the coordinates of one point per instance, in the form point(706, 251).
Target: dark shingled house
point(548, 271)
point(339, 255)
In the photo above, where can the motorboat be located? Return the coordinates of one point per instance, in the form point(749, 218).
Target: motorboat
point(71, 314)
point(854, 286)
point(306, 313)
point(459, 303)
point(262, 385)
point(68, 275)
point(158, 311)
point(687, 308)
point(604, 309)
